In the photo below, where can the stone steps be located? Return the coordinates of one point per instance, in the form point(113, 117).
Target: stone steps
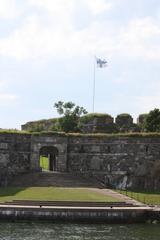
point(56, 179)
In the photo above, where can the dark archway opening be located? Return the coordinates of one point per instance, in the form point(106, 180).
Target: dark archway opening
point(48, 158)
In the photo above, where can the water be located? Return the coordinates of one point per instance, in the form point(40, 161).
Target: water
point(49, 231)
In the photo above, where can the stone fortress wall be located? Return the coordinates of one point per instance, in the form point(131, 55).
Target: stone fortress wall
point(93, 123)
point(15, 155)
point(117, 161)
point(120, 162)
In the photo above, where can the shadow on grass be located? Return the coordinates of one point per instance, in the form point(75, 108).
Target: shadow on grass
point(10, 191)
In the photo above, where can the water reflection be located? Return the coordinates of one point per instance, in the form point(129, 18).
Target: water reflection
point(48, 231)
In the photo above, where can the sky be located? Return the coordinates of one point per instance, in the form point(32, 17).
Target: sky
point(47, 50)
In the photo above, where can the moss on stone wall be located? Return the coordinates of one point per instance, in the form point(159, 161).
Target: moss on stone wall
point(42, 125)
point(91, 116)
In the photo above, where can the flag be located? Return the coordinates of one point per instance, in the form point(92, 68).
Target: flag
point(101, 62)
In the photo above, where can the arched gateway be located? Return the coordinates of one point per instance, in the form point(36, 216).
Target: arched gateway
point(50, 155)
point(52, 147)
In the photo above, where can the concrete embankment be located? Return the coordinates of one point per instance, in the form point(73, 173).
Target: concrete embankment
point(154, 215)
point(75, 214)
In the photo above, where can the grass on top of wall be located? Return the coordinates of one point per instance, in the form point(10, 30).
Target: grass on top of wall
point(91, 135)
point(13, 131)
point(100, 135)
point(52, 194)
point(151, 198)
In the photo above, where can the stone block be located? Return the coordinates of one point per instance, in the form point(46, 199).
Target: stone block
point(3, 146)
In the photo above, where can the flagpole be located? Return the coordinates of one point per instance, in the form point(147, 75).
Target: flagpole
point(100, 63)
point(94, 81)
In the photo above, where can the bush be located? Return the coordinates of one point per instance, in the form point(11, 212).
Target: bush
point(152, 121)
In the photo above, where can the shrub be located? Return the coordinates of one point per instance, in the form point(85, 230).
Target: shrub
point(152, 121)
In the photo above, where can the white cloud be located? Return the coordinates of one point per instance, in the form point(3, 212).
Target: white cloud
point(147, 103)
point(122, 79)
point(54, 6)
point(8, 9)
point(59, 11)
point(7, 99)
point(55, 36)
point(22, 41)
point(98, 6)
point(63, 7)
point(141, 39)
point(34, 40)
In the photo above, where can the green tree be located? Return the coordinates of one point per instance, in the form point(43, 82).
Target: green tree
point(152, 121)
point(71, 114)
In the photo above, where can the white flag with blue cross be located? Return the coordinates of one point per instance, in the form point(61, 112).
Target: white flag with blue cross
point(101, 63)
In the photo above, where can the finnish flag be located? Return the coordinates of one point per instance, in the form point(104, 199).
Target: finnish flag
point(101, 63)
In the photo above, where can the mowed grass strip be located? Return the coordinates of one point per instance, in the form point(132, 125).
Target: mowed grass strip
point(53, 194)
point(152, 198)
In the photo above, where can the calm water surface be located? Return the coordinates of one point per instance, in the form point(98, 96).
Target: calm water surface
point(48, 231)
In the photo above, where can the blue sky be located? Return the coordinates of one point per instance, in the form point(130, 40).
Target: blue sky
point(47, 50)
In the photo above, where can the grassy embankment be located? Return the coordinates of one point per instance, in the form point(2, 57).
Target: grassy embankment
point(144, 197)
point(152, 198)
point(52, 194)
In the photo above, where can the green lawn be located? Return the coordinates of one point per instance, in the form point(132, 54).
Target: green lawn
point(44, 163)
point(145, 197)
point(51, 194)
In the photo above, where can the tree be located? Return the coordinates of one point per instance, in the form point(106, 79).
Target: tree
point(152, 121)
point(71, 114)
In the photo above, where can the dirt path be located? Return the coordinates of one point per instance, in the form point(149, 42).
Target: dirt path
point(117, 195)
